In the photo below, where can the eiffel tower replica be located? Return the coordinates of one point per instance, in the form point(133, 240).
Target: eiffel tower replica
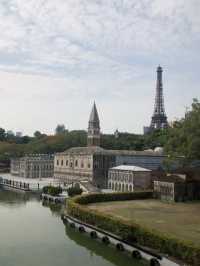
point(159, 118)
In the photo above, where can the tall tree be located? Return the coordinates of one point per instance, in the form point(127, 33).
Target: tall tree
point(184, 137)
point(2, 134)
point(60, 129)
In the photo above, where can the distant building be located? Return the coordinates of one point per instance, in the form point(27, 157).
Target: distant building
point(19, 134)
point(93, 162)
point(129, 178)
point(33, 166)
point(176, 188)
point(116, 133)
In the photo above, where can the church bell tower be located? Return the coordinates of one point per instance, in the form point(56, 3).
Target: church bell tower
point(93, 138)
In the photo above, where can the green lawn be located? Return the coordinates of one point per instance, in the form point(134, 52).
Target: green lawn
point(178, 219)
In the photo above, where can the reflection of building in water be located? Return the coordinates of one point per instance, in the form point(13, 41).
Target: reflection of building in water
point(129, 178)
point(13, 198)
point(33, 166)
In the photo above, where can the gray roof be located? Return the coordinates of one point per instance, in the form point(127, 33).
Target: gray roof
point(94, 117)
point(99, 150)
point(85, 150)
point(132, 168)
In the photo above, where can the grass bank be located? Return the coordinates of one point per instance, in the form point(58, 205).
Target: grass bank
point(131, 230)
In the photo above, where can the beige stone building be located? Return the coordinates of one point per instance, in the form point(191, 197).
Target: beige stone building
point(129, 178)
point(84, 163)
point(33, 166)
point(93, 162)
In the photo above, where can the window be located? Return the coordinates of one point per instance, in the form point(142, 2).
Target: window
point(66, 163)
point(88, 165)
point(62, 162)
point(82, 164)
point(76, 163)
point(57, 162)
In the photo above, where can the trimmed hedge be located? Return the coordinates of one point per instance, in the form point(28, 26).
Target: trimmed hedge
point(53, 191)
point(133, 232)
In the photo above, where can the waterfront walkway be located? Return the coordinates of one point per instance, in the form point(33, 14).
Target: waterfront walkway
point(9, 181)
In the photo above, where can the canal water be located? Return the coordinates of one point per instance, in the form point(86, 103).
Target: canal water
point(32, 234)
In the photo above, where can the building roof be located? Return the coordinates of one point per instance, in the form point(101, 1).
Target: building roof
point(172, 179)
point(94, 117)
point(132, 168)
point(85, 150)
point(98, 150)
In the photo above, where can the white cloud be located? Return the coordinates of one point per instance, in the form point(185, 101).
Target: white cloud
point(79, 50)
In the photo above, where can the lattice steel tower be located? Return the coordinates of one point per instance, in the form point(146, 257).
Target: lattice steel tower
point(159, 118)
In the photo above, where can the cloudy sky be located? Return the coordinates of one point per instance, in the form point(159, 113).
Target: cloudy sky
point(57, 57)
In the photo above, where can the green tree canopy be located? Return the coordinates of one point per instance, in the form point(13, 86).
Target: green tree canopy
point(184, 137)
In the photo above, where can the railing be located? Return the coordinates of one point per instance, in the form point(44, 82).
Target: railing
point(15, 184)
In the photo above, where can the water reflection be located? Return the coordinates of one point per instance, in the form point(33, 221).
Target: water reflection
point(56, 209)
point(16, 199)
point(97, 248)
point(32, 233)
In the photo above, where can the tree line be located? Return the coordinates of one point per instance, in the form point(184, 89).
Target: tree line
point(182, 138)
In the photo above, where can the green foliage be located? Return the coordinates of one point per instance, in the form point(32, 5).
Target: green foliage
point(53, 191)
point(117, 196)
point(132, 231)
point(73, 191)
point(60, 129)
point(184, 137)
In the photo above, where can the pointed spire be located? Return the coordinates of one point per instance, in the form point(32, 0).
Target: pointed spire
point(94, 128)
point(94, 117)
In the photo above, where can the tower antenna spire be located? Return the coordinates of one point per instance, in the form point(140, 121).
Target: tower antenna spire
point(159, 118)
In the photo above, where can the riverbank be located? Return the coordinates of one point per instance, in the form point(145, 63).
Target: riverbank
point(32, 233)
point(132, 231)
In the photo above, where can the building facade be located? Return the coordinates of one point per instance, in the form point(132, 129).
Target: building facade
point(93, 162)
point(175, 188)
point(84, 163)
point(128, 178)
point(33, 166)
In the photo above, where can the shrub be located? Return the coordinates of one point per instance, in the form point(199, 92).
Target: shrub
point(132, 231)
point(53, 191)
point(73, 191)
